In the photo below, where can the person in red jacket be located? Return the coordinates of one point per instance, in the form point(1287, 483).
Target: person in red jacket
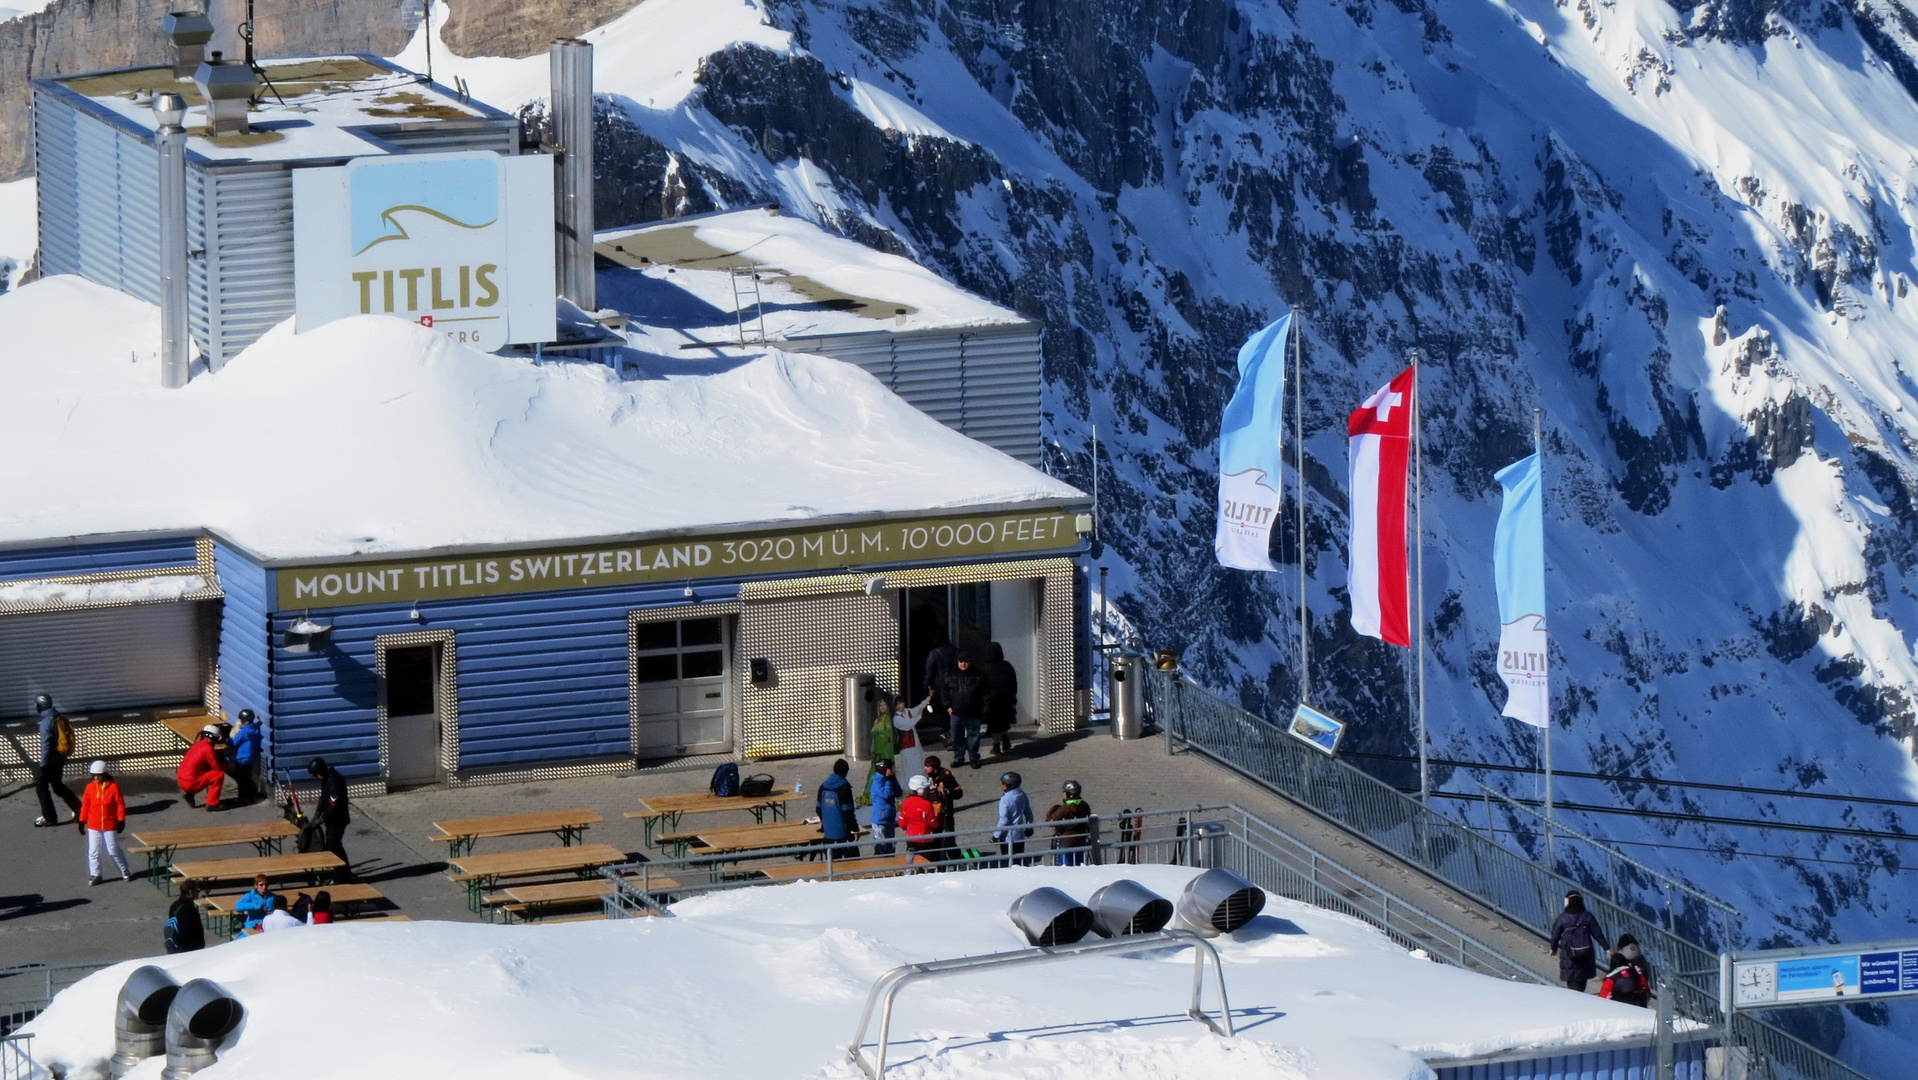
point(917, 817)
point(103, 814)
point(200, 770)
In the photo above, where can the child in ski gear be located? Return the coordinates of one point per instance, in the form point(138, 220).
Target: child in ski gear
point(246, 756)
point(200, 769)
point(1070, 838)
point(1015, 811)
point(1628, 976)
point(884, 794)
point(183, 931)
point(252, 906)
point(943, 789)
point(918, 817)
point(1576, 940)
point(56, 745)
point(103, 814)
point(837, 822)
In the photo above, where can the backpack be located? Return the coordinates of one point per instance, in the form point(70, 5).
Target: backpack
point(756, 786)
point(726, 780)
point(1577, 938)
point(312, 838)
point(62, 736)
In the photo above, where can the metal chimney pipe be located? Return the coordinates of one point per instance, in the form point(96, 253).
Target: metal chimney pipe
point(189, 31)
point(572, 127)
point(202, 1014)
point(140, 1018)
point(169, 111)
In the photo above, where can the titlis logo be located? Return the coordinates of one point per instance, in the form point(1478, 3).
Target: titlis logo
point(466, 286)
point(1521, 663)
point(1245, 513)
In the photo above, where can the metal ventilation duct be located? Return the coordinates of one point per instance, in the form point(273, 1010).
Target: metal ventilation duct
point(1127, 907)
point(1050, 917)
point(1219, 902)
point(228, 87)
point(189, 31)
point(202, 1015)
point(139, 1019)
point(572, 132)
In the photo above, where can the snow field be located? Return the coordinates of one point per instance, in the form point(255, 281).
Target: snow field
point(768, 982)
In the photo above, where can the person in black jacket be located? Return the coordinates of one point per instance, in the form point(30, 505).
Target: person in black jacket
point(1002, 698)
point(1576, 941)
point(183, 932)
point(50, 779)
point(331, 812)
point(966, 697)
point(938, 665)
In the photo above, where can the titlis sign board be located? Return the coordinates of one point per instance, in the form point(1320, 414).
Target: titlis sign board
point(461, 243)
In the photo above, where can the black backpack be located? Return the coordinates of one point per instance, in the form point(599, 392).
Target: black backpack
point(312, 838)
point(757, 786)
point(726, 780)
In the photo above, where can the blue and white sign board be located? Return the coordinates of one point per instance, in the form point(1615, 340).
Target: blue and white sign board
point(1830, 975)
point(1316, 729)
point(459, 242)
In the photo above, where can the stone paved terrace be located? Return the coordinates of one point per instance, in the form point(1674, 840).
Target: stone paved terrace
point(48, 913)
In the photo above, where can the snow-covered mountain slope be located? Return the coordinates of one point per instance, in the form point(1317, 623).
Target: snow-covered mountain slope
point(767, 983)
point(1686, 231)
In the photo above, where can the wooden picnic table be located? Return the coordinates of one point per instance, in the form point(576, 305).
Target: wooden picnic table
point(187, 727)
point(734, 838)
point(480, 873)
point(158, 845)
point(221, 907)
point(530, 902)
point(873, 866)
point(664, 811)
point(568, 825)
point(309, 865)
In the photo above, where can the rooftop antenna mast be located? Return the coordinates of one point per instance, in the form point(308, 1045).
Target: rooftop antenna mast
point(246, 40)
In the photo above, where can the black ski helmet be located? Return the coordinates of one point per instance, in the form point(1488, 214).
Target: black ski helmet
point(1010, 779)
point(316, 767)
point(41, 702)
point(1072, 789)
point(246, 716)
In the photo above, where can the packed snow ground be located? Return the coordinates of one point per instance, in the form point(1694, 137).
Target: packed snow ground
point(768, 983)
point(374, 434)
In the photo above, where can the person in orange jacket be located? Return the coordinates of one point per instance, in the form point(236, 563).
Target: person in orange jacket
point(103, 814)
point(200, 770)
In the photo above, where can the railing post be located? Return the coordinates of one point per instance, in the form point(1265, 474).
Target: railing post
point(1095, 841)
point(1662, 1033)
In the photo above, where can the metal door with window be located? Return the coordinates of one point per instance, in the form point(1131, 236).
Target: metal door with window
point(679, 686)
point(410, 691)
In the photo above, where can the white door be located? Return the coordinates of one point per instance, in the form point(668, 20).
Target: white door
point(409, 691)
point(680, 669)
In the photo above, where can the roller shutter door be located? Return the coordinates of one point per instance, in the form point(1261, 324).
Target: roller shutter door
point(94, 659)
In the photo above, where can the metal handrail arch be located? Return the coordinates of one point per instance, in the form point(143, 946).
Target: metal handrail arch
point(889, 984)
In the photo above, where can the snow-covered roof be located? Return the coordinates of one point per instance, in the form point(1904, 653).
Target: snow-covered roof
point(373, 434)
point(321, 107)
point(679, 275)
point(768, 982)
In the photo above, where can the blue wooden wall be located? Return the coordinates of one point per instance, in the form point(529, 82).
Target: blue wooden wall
point(542, 678)
point(245, 674)
point(1638, 1063)
point(173, 549)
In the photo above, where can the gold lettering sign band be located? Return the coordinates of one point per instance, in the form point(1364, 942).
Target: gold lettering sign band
point(687, 559)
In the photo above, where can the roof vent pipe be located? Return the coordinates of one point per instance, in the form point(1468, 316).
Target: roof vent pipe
point(572, 132)
point(202, 1015)
point(189, 32)
point(228, 87)
point(137, 1022)
point(169, 114)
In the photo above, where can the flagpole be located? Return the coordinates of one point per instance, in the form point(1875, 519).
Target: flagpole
point(1305, 624)
point(1550, 861)
point(1418, 529)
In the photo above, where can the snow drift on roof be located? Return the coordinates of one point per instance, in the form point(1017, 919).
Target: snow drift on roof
point(376, 435)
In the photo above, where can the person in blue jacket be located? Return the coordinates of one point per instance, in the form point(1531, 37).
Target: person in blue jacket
point(884, 796)
point(253, 905)
point(836, 814)
point(246, 756)
point(1015, 811)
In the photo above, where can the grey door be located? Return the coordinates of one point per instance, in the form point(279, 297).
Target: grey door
point(410, 692)
point(680, 669)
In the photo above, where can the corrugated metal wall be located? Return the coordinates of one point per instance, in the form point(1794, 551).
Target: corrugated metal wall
point(160, 551)
point(98, 186)
point(246, 246)
point(431, 138)
point(245, 671)
point(982, 381)
point(1636, 1063)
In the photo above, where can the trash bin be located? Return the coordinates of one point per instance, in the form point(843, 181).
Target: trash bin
point(862, 707)
point(1128, 697)
point(1207, 843)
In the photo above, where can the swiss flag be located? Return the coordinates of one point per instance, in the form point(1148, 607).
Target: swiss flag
point(1379, 441)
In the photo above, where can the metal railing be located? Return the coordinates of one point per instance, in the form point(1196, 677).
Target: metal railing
point(27, 990)
point(1203, 836)
point(1479, 866)
point(16, 1058)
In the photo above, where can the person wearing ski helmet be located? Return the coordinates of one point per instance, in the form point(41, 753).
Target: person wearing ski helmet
point(56, 745)
point(917, 818)
point(246, 756)
point(200, 769)
point(330, 810)
point(1074, 831)
point(1015, 820)
point(103, 814)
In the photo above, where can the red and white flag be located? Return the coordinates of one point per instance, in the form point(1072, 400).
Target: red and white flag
point(1380, 442)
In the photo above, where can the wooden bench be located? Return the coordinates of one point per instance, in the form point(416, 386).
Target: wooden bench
point(481, 873)
point(664, 811)
point(343, 896)
point(737, 838)
point(569, 825)
point(590, 916)
point(874, 866)
point(158, 845)
point(310, 866)
point(531, 902)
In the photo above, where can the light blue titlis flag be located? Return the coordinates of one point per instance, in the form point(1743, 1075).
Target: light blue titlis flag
point(1518, 562)
point(1249, 455)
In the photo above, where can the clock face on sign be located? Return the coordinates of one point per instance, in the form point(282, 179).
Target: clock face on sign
point(1754, 984)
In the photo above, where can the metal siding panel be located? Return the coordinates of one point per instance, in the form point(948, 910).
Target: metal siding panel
point(58, 170)
point(250, 263)
point(76, 559)
point(812, 642)
point(104, 658)
point(245, 675)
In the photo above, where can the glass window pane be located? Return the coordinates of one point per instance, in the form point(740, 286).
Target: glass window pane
point(699, 631)
point(701, 665)
point(657, 668)
point(655, 635)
